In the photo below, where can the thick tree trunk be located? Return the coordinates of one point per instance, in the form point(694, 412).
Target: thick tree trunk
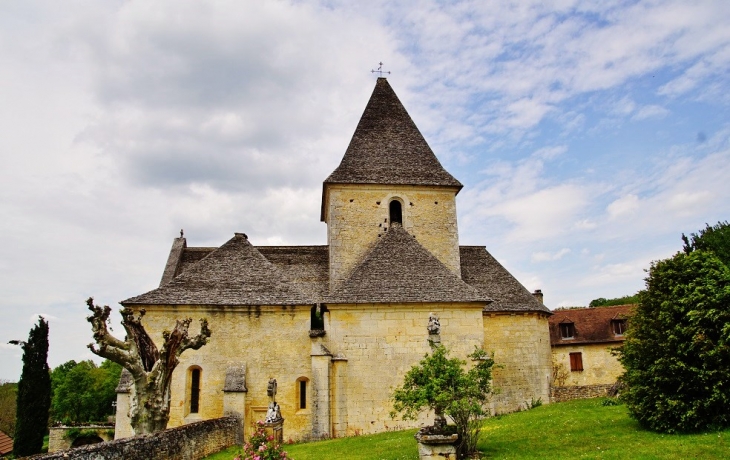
point(151, 368)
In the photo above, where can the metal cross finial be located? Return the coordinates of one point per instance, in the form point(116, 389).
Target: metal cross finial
point(380, 70)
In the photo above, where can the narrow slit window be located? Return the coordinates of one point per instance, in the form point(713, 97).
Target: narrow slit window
point(194, 391)
point(302, 394)
point(317, 319)
point(396, 212)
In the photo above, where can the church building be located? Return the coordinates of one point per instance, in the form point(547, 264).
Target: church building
point(339, 325)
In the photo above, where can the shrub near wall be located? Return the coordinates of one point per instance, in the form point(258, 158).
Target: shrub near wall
point(187, 442)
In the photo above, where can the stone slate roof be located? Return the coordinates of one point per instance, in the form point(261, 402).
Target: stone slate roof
point(387, 148)
point(592, 325)
point(307, 268)
point(399, 270)
point(234, 274)
point(481, 270)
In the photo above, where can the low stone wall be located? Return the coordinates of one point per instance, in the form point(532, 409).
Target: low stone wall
point(187, 442)
point(58, 438)
point(558, 394)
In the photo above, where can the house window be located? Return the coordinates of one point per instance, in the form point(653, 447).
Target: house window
point(567, 330)
point(576, 362)
point(302, 392)
point(618, 326)
point(396, 212)
point(194, 390)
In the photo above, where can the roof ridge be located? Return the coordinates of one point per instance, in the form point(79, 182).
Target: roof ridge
point(398, 269)
point(234, 274)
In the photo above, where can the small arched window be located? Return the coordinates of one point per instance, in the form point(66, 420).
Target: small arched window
point(396, 212)
point(194, 390)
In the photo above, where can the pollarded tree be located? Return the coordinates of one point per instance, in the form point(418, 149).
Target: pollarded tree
point(677, 349)
point(151, 368)
point(34, 392)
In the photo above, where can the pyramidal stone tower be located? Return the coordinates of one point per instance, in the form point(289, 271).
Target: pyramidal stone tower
point(339, 325)
point(388, 176)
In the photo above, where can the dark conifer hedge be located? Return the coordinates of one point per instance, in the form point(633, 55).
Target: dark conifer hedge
point(34, 393)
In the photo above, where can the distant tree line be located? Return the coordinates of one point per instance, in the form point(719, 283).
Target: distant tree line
point(625, 300)
point(8, 404)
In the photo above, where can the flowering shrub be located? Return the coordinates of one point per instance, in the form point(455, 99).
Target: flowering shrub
point(262, 447)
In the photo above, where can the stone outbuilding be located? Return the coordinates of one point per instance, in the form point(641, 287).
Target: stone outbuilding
point(339, 325)
point(582, 341)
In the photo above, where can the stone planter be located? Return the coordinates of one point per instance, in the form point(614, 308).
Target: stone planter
point(436, 446)
point(275, 430)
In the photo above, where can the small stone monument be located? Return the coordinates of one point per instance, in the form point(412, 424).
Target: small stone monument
point(274, 422)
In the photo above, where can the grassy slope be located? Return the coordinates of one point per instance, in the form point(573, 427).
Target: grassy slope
point(572, 430)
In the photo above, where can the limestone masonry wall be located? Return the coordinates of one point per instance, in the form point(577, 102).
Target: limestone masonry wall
point(270, 341)
point(521, 346)
point(600, 367)
point(190, 442)
point(380, 344)
point(357, 214)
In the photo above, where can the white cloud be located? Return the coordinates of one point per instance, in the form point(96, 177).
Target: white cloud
point(623, 206)
point(650, 111)
point(547, 256)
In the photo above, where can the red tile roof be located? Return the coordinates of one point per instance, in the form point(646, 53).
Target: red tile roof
point(6, 444)
point(591, 325)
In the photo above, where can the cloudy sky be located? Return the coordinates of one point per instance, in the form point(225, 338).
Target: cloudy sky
point(589, 135)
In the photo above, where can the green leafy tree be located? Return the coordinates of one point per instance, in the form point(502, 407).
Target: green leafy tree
point(625, 300)
point(714, 238)
point(441, 384)
point(83, 392)
point(8, 405)
point(34, 392)
point(677, 350)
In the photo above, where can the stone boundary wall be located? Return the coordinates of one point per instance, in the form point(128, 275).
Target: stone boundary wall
point(187, 442)
point(58, 440)
point(559, 394)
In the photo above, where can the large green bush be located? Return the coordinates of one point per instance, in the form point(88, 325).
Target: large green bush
point(677, 351)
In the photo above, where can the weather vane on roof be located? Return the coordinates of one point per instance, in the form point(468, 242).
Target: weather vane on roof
point(380, 70)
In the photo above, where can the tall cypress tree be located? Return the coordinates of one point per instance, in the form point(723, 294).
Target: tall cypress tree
point(34, 392)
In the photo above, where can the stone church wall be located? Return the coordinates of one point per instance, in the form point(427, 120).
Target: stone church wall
point(271, 341)
point(356, 215)
point(521, 346)
point(376, 345)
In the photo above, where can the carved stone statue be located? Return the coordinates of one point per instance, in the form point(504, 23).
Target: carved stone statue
point(273, 415)
point(434, 326)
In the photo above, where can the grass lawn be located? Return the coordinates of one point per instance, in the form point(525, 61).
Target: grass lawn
point(570, 430)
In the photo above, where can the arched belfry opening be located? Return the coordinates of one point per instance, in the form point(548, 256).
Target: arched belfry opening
point(396, 212)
